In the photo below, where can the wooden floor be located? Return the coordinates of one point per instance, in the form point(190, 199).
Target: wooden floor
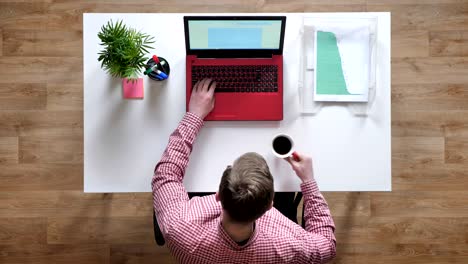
point(46, 218)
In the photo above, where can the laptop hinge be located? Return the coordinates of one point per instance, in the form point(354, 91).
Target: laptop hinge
point(233, 57)
point(267, 54)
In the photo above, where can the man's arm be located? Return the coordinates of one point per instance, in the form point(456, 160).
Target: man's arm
point(318, 221)
point(169, 194)
point(319, 239)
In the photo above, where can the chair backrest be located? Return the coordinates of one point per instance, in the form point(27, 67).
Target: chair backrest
point(158, 236)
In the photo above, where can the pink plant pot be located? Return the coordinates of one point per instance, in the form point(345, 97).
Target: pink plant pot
point(132, 89)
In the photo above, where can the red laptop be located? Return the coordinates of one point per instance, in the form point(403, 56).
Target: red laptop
point(244, 55)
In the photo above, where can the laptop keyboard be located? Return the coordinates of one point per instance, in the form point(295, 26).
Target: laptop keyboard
point(239, 78)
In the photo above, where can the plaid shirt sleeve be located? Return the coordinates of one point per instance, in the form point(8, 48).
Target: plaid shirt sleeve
point(169, 194)
point(318, 224)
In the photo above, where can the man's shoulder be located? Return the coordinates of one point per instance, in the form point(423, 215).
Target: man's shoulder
point(200, 210)
point(273, 223)
point(198, 221)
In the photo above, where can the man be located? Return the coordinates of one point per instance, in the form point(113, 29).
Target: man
point(237, 224)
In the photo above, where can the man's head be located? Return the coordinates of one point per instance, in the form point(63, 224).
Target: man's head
point(246, 190)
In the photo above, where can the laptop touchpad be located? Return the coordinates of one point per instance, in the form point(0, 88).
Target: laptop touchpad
point(226, 105)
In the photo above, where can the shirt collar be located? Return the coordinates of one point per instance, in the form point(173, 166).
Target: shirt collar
point(225, 236)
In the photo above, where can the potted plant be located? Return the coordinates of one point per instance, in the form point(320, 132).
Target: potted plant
point(123, 55)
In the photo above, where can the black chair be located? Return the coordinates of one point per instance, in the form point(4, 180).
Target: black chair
point(285, 202)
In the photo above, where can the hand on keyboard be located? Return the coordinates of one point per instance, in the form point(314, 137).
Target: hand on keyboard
point(202, 98)
point(239, 78)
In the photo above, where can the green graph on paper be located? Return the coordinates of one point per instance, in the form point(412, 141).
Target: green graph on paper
point(329, 76)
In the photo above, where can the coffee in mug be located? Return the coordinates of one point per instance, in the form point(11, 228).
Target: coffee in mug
point(282, 146)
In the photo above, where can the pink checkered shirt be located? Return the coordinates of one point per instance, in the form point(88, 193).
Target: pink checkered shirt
point(193, 231)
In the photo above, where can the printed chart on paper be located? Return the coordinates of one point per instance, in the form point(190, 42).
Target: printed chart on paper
point(342, 58)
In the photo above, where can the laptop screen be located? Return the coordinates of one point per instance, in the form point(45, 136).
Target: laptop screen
point(234, 36)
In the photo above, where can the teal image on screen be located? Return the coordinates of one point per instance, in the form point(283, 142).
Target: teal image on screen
point(235, 38)
point(329, 77)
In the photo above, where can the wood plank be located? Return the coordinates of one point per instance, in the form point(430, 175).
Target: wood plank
point(29, 177)
point(8, 150)
point(457, 127)
point(449, 177)
point(19, 70)
point(398, 259)
point(34, 21)
point(430, 70)
point(417, 123)
point(1, 42)
point(279, 6)
point(24, 96)
point(456, 150)
point(429, 123)
point(309, 7)
point(402, 249)
point(128, 230)
point(73, 20)
point(423, 16)
point(22, 230)
point(47, 43)
point(42, 69)
point(12, 9)
point(427, 97)
point(336, 2)
point(146, 6)
point(401, 230)
point(51, 149)
point(69, 70)
point(420, 204)
point(41, 123)
point(75, 204)
point(410, 43)
point(448, 43)
point(419, 2)
point(348, 203)
point(57, 254)
point(140, 253)
point(416, 150)
point(64, 97)
point(23, 15)
point(401, 253)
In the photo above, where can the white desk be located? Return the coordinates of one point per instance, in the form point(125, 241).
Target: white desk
point(124, 139)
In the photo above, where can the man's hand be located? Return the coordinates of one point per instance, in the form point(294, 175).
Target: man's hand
point(202, 98)
point(302, 165)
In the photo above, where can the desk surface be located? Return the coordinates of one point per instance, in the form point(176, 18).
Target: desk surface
point(124, 139)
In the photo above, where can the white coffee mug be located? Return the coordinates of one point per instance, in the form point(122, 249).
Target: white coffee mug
point(282, 145)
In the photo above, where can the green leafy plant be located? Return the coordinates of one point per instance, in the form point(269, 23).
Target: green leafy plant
point(124, 50)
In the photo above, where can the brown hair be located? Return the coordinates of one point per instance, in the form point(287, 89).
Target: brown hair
point(246, 189)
